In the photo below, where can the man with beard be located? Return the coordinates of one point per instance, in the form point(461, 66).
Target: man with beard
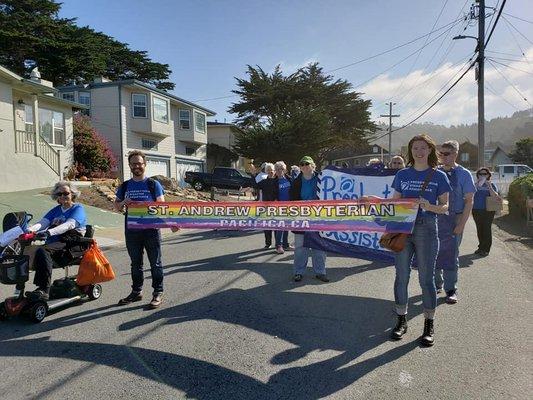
point(141, 188)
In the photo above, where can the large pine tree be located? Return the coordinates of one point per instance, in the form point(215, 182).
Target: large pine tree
point(31, 32)
point(306, 113)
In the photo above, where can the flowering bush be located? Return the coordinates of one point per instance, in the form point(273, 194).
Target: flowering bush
point(92, 154)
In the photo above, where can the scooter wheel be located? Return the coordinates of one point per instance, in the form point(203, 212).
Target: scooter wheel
point(95, 291)
point(3, 312)
point(38, 311)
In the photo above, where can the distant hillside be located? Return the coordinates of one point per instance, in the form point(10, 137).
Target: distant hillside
point(504, 131)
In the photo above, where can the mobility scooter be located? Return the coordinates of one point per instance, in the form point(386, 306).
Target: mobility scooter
point(15, 269)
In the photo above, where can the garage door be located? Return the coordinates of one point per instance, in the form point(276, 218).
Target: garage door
point(157, 166)
point(183, 166)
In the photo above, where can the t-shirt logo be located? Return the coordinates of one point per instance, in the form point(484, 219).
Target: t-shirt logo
point(404, 186)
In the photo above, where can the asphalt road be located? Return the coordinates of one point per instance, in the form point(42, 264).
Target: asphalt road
point(234, 326)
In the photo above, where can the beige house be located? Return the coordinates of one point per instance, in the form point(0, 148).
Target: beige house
point(35, 132)
point(131, 114)
point(223, 134)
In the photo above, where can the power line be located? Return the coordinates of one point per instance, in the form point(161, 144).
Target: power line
point(493, 91)
point(516, 29)
point(402, 60)
point(394, 48)
point(508, 66)
point(521, 19)
point(216, 98)
point(510, 59)
point(442, 87)
point(441, 61)
point(431, 106)
point(505, 54)
point(420, 51)
point(510, 83)
point(495, 23)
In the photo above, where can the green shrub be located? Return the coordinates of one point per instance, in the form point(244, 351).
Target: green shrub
point(519, 190)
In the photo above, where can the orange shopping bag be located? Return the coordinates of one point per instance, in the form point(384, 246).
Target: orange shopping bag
point(94, 267)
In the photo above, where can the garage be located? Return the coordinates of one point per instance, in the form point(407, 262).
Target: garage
point(183, 165)
point(157, 166)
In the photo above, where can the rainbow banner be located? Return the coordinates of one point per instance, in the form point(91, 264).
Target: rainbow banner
point(320, 215)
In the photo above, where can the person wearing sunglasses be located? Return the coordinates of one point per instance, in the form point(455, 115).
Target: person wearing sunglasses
point(482, 217)
point(304, 187)
point(67, 218)
point(452, 225)
point(397, 162)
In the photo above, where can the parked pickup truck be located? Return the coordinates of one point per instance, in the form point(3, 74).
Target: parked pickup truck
point(222, 177)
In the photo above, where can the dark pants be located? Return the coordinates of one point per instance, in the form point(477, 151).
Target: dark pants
point(136, 242)
point(282, 238)
point(268, 238)
point(483, 220)
point(50, 256)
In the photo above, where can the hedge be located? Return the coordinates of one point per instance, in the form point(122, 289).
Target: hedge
point(519, 190)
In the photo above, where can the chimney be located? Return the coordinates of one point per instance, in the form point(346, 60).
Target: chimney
point(101, 79)
point(35, 76)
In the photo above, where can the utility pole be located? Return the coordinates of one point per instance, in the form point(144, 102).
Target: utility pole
point(390, 115)
point(481, 85)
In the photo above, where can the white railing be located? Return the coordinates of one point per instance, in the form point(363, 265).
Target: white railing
point(25, 143)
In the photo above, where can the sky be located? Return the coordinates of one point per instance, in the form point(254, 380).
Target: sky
point(209, 43)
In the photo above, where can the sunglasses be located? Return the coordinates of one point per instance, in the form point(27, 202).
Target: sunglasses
point(444, 153)
point(63, 193)
point(304, 164)
point(482, 174)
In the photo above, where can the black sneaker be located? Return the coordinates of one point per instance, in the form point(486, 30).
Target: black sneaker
point(133, 296)
point(38, 295)
point(157, 299)
point(297, 277)
point(322, 277)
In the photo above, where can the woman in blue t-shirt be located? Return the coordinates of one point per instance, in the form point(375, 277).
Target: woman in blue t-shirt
point(67, 218)
point(482, 217)
point(430, 187)
point(283, 183)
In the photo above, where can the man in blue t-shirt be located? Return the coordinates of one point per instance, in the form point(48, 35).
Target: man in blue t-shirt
point(451, 226)
point(140, 188)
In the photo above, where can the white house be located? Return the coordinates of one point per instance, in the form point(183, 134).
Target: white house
point(35, 132)
point(133, 115)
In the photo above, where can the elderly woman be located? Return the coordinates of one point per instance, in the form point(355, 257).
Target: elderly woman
point(283, 182)
point(304, 187)
point(397, 162)
point(67, 218)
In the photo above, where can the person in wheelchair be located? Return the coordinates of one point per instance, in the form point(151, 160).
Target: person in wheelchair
point(59, 228)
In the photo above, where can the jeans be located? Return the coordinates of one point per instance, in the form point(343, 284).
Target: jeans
point(136, 242)
point(282, 238)
point(483, 220)
point(301, 256)
point(445, 278)
point(424, 243)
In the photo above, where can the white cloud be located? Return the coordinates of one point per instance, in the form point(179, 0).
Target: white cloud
point(460, 104)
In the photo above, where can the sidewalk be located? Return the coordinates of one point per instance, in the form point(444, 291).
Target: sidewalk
point(109, 226)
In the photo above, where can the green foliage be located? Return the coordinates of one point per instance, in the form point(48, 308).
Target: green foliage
point(519, 190)
point(92, 155)
point(523, 153)
point(32, 30)
point(221, 156)
point(305, 113)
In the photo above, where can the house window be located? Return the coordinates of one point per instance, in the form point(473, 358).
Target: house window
point(68, 96)
point(199, 121)
point(149, 144)
point(465, 157)
point(139, 105)
point(185, 119)
point(190, 151)
point(85, 99)
point(52, 126)
point(375, 149)
point(160, 110)
point(28, 118)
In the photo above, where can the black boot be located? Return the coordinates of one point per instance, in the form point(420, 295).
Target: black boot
point(400, 329)
point(427, 336)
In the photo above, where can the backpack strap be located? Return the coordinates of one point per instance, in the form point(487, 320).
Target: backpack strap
point(151, 187)
point(426, 182)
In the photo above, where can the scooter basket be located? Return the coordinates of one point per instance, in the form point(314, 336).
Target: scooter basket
point(14, 269)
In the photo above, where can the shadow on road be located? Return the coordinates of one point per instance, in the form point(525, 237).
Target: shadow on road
point(349, 325)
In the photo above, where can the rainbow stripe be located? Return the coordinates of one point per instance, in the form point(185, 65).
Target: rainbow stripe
point(320, 215)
